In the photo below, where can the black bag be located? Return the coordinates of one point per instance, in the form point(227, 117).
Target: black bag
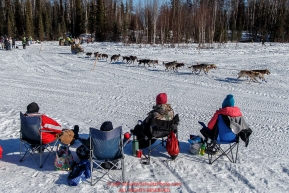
point(77, 171)
point(142, 135)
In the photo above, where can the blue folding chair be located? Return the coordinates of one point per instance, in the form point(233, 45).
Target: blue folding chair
point(31, 141)
point(223, 136)
point(106, 147)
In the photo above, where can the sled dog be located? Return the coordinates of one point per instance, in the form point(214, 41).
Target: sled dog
point(263, 72)
point(170, 65)
point(144, 62)
point(88, 54)
point(178, 65)
point(114, 57)
point(153, 62)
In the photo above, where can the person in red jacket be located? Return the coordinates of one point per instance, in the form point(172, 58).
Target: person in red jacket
point(48, 124)
point(228, 108)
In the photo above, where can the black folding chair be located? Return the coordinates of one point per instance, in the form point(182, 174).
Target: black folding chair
point(159, 129)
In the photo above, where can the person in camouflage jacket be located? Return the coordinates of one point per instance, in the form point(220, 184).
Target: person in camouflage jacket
point(161, 111)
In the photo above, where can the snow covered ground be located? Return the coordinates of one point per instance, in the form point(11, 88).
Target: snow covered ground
point(67, 90)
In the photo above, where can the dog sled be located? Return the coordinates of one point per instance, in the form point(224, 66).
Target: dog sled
point(76, 49)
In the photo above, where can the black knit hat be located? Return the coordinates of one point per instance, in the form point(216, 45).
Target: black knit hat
point(32, 108)
point(106, 126)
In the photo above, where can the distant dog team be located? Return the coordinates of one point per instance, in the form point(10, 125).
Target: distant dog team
point(175, 66)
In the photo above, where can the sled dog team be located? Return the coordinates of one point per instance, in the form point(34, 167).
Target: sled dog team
point(174, 66)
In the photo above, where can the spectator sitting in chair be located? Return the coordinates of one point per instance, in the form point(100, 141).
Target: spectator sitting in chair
point(162, 116)
point(105, 126)
point(47, 123)
point(161, 111)
point(228, 109)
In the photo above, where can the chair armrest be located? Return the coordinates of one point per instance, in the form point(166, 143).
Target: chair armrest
point(47, 131)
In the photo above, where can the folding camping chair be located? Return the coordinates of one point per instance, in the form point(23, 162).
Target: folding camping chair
point(31, 142)
point(223, 136)
point(160, 130)
point(105, 147)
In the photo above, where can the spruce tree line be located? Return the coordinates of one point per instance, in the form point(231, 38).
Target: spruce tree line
point(147, 21)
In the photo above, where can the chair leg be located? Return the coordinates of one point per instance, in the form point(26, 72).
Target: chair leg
point(236, 153)
point(123, 170)
point(228, 153)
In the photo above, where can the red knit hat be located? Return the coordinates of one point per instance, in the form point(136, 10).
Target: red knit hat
point(162, 98)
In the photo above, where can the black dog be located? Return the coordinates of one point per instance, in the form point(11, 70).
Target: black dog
point(89, 54)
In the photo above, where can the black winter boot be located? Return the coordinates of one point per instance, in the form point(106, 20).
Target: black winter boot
point(76, 130)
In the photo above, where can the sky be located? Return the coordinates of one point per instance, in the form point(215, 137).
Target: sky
point(68, 90)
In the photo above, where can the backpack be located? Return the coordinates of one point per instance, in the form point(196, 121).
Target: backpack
point(79, 172)
point(172, 145)
point(63, 159)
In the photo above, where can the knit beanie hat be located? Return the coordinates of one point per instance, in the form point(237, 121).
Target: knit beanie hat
point(161, 98)
point(228, 101)
point(32, 108)
point(106, 126)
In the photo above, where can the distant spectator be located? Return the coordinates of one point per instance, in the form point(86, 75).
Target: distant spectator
point(6, 42)
point(10, 43)
point(24, 42)
point(263, 42)
point(13, 42)
point(30, 40)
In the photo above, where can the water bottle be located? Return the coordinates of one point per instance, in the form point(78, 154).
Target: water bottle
point(202, 150)
point(135, 145)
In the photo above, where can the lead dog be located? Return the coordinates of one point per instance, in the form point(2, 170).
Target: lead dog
point(250, 74)
point(263, 72)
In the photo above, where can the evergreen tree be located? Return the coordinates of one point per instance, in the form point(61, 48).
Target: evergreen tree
point(116, 32)
point(39, 28)
point(79, 26)
point(47, 21)
point(61, 19)
point(28, 19)
point(9, 23)
point(92, 18)
point(2, 15)
point(100, 21)
point(55, 25)
point(19, 21)
point(67, 17)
